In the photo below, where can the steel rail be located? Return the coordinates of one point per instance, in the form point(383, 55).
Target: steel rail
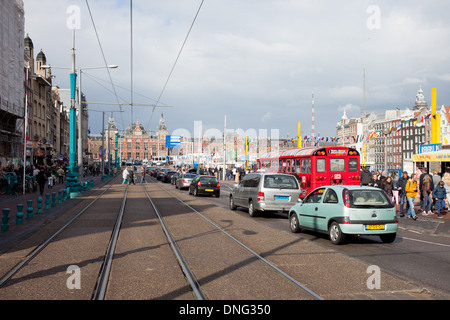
point(193, 282)
point(268, 263)
point(103, 278)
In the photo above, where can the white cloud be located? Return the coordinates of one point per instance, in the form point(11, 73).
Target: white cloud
point(256, 61)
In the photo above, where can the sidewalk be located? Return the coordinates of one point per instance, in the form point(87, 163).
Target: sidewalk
point(19, 232)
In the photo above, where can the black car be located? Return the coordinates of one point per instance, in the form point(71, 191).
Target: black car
point(167, 177)
point(206, 185)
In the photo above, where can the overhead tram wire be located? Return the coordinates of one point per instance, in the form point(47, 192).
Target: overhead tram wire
point(176, 60)
point(104, 58)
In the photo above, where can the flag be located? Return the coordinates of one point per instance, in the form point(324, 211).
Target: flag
point(415, 123)
point(406, 124)
point(399, 127)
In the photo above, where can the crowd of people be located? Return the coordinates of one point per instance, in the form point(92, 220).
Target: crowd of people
point(432, 189)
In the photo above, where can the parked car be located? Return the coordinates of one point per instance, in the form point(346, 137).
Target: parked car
point(167, 176)
point(184, 180)
point(265, 192)
point(346, 210)
point(205, 185)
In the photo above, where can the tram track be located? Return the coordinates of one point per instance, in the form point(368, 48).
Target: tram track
point(253, 253)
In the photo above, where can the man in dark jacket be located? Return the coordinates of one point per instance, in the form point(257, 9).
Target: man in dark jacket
point(439, 194)
point(365, 176)
point(401, 184)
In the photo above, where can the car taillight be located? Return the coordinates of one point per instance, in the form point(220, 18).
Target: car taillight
point(218, 185)
point(260, 196)
point(346, 198)
point(184, 181)
point(199, 184)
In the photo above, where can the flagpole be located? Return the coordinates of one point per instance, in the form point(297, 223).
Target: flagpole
point(25, 142)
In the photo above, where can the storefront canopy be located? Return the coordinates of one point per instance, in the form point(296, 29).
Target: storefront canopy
point(438, 156)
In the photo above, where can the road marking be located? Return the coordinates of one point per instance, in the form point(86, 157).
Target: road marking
point(428, 242)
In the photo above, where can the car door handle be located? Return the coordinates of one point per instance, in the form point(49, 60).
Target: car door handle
point(316, 209)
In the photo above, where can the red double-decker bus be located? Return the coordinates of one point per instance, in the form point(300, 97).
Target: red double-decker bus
point(315, 166)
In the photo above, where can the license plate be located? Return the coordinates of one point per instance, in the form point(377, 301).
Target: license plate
point(375, 227)
point(209, 190)
point(281, 198)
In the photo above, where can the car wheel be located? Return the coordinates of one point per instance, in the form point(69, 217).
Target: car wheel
point(231, 204)
point(217, 195)
point(251, 209)
point(336, 235)
point(293, 223)
point(388, 238)
point(195, 193)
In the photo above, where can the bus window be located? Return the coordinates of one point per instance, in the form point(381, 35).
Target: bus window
point(297, 165)
point(303, 169)
point(337, 165)
point(280, 166)
point(353, 165)
point(308, 165)
point(284, 166)
point(288, 166)
point(321, 165)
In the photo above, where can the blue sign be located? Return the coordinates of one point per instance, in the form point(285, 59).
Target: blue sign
point(427, 148)
point(173, 142)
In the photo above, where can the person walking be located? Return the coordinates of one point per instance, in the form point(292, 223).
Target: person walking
point(411, 193)
point(143, 175)
point(131, 176)
point(41, 179)
point(125, 176)
point(401, 187)
point(439, 194)
point(365, 176)
point(426, 191)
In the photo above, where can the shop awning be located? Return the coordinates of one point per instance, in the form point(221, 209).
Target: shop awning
point(438, 156)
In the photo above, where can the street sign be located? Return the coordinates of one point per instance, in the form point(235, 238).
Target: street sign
point(173, 142)
point(427, 148)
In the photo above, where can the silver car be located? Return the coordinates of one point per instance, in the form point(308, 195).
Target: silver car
point(184, 180)
point(265, 192)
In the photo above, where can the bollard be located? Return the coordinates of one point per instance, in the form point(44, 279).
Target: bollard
point(39, 205)
point(30, 209)
point(5, 219)
point(59, 197)
point(64, 195)
point(47, 201)
point(53, 199)
point(19, 215)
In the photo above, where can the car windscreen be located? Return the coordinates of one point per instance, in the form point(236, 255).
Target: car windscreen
point(369, 199)
point(280, 182)
point(208, 180)
point(189, 176)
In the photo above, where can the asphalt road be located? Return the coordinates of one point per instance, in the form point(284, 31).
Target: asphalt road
point(420, 254)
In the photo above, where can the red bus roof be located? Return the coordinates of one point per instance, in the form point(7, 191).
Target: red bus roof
point(296, 152)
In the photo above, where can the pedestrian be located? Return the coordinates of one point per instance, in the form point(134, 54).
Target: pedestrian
point(125, 176)
point(41, 179)
point(365, 176)
point(439, 194)
point(61, 175)
point(131, 177)
point(426, 191)
point(143, 176)
point(401, 187)
point(446, 180)
point(387, 187)
point(411, 194)
point(373, 182)
point(51, 181)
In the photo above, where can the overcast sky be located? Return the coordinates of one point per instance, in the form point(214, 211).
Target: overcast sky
point(258, 62)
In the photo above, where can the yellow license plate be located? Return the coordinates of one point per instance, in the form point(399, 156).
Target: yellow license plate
point(209, 190)
point(375, 227)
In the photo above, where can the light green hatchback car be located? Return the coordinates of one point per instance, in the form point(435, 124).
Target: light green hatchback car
point(346, 210)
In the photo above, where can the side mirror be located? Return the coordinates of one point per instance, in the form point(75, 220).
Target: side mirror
point(235, 185)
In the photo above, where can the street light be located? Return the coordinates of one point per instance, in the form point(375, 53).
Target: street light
point(80, 108)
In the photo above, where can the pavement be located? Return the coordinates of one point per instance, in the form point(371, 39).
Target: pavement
point(18, 233)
